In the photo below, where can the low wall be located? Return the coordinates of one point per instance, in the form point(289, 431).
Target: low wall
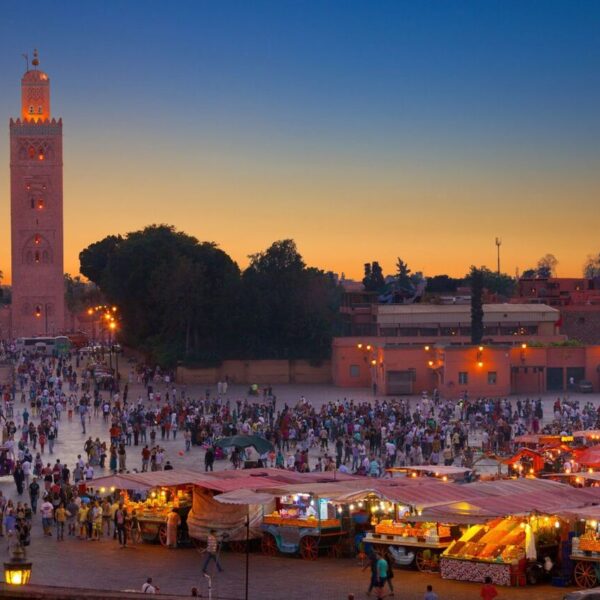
point(46, 592)
point(247, 372)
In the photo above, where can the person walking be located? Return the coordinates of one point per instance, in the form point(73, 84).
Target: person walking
point(211, 552)
point(60, 518)
point(34, 494)
point(120, 520)
point(47, 511)
point(488, 590)
point(430, 594)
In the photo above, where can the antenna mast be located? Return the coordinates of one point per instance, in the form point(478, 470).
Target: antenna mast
point(498, 244)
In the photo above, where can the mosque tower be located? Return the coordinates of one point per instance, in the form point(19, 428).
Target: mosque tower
point(36, 186)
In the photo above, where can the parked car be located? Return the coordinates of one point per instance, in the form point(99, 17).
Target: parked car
point(591, 594)
point(585, 386)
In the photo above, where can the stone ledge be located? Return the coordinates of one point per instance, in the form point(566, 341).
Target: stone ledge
point(46, 592)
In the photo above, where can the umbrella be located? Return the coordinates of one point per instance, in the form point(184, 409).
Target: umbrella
point(244, 441)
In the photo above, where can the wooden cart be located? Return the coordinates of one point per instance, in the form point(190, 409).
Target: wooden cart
point(586, 569)
point(406, 551)
point(307, 537)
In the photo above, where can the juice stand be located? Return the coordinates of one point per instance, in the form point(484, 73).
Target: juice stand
point(302, 523)
point(408, 539)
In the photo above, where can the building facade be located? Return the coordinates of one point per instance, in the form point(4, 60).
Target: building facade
point(36, 174)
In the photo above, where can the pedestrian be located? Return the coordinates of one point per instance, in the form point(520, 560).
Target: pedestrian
point(488, 590)
point(149, 587)
point(34, 494)
point(60, 518)
point(430, 594)
point(372, 565)
point(120, 520)
point(382, 573)
point(19, 477)
point(211, 552)
point(173, 522)
point(47, 511)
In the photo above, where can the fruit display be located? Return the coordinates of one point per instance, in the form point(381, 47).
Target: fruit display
point(499, 541)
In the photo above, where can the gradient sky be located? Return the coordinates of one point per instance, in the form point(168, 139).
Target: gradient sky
point(363, 130)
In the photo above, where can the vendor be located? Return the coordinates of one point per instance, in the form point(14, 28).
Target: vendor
point(311, 511)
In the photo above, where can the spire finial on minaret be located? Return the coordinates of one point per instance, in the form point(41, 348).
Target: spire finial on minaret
point(35, 62)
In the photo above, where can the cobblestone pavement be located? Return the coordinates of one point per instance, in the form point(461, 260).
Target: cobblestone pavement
point(104, 565)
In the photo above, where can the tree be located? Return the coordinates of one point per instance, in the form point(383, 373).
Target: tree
point(185, 300)
point(403, 276)
point(546, 266)
point(501, 284)
point(477, 278)
point(290, 310)
point(591, 267)
point(80, 295)
point(439, 284)
point(373, 280)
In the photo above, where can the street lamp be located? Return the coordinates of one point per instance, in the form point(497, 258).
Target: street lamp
point(17, 571)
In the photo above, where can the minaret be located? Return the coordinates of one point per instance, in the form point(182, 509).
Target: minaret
point(38, 300)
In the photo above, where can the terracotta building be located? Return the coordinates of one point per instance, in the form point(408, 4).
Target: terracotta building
point(36, 180)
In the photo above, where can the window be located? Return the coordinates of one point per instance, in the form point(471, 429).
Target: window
point(448, 331)
point(409, 331)
point(40, 203)
point(31, 110)
point(388, 331)
point(492, 378)
point(463, 378)
point(40, 110)
point(354, 371)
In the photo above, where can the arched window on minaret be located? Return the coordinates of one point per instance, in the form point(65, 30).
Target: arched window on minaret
point(31, 152)
point(32, 202)
point(29, 257)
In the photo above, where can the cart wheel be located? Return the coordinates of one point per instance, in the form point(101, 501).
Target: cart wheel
point(238, 546)
point(427, 561)
point(268, 545)
point(585, 575)
point(162, 534)
point(335, 551)
point(309, 548)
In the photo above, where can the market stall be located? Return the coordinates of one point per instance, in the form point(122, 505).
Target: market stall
point(306, 521)
point(498, 549)
point(149, 498)
point(585, 546)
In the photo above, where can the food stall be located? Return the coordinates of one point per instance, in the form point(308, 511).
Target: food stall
point(305, 521)
point(405, 539)
point(149, 498)
point(510, 550)
point(151, 513)
point(585, 546)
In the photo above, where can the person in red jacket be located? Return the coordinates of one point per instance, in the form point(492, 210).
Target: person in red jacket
point(488, 590)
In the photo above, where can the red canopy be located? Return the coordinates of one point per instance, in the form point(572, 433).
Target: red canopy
point(536, 458)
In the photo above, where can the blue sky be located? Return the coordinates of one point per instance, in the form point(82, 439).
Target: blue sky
point(365, 130)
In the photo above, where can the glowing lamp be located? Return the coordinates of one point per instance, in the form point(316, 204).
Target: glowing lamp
point(368, 346)
point(359, 346)
point(524, 346)
point(480, 364)
point(102, 490)
point(340, 510)
point(426, 348)
point(112, 488)
point(480, 348)
point(557, 524)
point(17, 571)
point(430, 363)
point(594, 524)
point(352, 507)
point(373, 362)
point(444, 478)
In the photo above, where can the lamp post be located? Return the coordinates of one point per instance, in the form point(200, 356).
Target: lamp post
point(17, 571)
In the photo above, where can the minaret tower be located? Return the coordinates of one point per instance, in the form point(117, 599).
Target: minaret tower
point(36, 184)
